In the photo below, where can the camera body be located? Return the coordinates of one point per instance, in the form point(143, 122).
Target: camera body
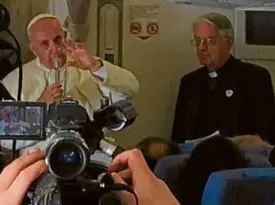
point(71, 140)
point(67, 153)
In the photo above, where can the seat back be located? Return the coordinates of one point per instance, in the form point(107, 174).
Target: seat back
point(168, 168)
point(251, 186)
point(258, 156)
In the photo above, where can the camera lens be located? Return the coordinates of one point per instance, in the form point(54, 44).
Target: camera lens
point(68, 156)
point(67, 159)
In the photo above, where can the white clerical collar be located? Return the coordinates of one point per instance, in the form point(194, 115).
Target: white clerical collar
point(213, 74)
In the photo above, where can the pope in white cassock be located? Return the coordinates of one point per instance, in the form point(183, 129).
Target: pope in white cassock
point(83, 76)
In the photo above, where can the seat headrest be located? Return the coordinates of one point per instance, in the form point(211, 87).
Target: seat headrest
point(240, 186)
point(168, 168)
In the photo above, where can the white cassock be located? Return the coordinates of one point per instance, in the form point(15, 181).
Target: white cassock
point(89, 89)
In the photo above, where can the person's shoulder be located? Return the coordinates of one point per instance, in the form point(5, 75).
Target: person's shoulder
point(193, 74)
point(29, 67)
point(250, 67)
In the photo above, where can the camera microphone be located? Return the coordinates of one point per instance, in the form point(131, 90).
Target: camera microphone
point(110, 147)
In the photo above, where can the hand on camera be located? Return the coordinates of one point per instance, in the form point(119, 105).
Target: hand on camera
point(149, 189)
point(52, 93)
point(16, 178)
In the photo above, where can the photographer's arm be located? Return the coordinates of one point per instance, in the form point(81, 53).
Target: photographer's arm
point(17, 177)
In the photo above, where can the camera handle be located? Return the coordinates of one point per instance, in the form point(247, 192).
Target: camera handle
point(15, 152)
point(107, 183)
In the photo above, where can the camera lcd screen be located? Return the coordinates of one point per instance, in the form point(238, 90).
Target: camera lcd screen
point(22, 120)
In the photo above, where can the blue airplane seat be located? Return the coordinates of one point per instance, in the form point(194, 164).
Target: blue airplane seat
point(168, 168)
point(249, 186)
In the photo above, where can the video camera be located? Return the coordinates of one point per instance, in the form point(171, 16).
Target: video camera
point(71, 138)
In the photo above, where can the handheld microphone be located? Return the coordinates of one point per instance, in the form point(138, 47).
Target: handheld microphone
point(110, 147)
point(57, 67)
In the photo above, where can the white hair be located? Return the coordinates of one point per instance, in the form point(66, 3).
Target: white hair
point(220, 22)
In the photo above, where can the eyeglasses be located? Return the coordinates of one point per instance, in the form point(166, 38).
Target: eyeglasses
point(209, 41)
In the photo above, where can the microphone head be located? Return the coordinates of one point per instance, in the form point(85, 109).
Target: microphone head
point(57, 63)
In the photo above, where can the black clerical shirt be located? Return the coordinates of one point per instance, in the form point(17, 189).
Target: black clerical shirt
point(241, 101)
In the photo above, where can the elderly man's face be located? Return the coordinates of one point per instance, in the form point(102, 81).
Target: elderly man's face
point(47, 37)
point(212, 49)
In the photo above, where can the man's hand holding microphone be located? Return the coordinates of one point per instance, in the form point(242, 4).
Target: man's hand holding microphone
point(54, 92)
point(68, 53)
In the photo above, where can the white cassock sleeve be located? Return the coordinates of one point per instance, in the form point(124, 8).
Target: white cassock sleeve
point(111, 94)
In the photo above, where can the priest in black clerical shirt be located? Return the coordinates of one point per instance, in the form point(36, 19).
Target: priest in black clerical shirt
point(226, 96)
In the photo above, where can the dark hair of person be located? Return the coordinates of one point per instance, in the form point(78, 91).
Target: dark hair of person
point(211, 155)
